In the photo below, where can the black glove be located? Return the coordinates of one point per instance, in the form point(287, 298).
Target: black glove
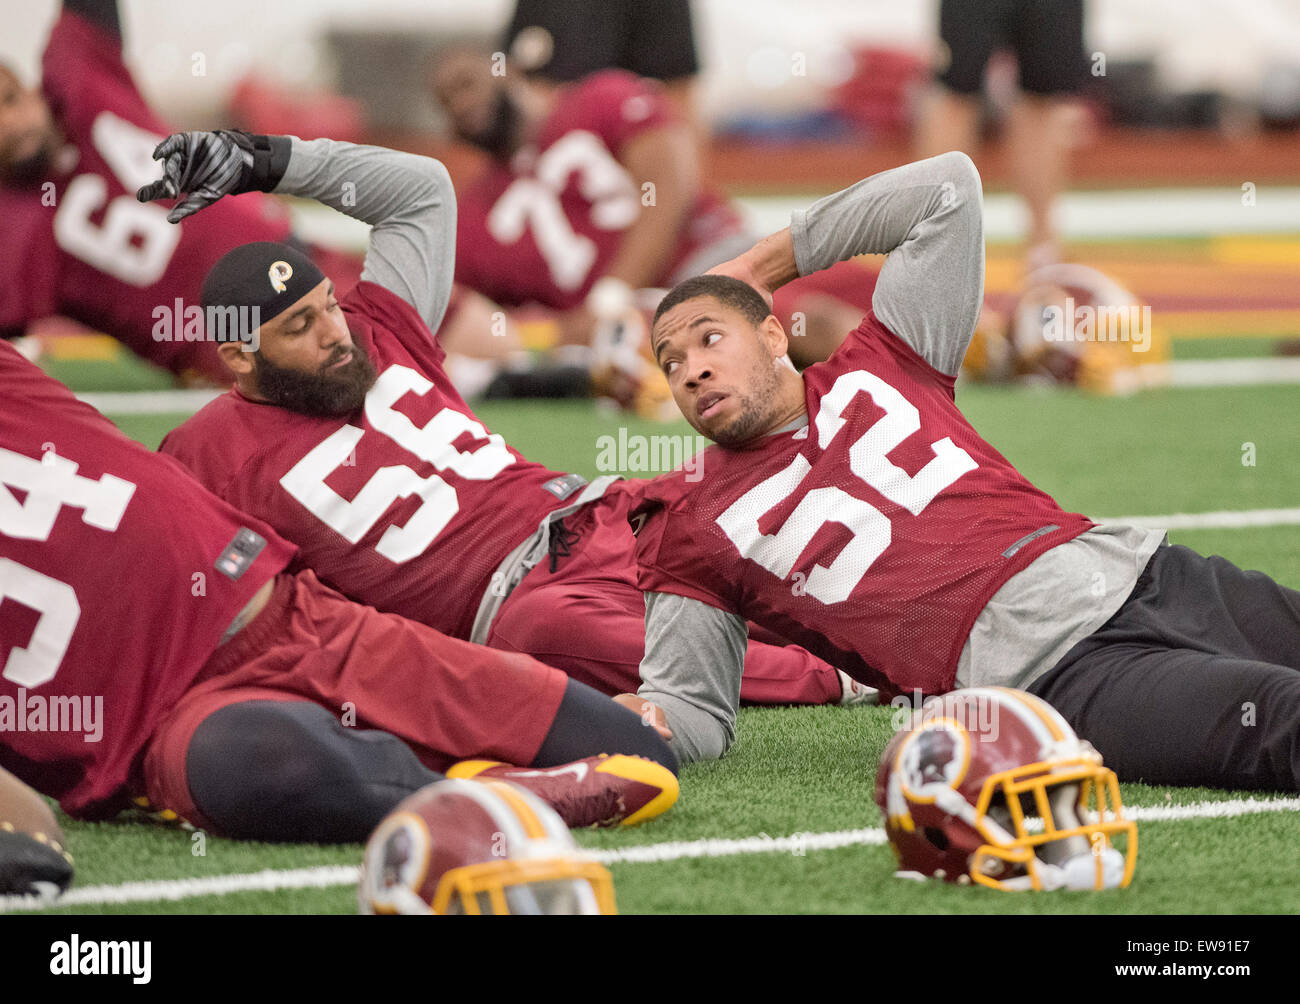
point(200, 167)
point(30, 867)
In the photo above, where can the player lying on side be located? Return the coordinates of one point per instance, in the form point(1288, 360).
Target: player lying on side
point(593, 200)
point(344, 434)
point(854, 510)
point(595, 190)
point(155, 647)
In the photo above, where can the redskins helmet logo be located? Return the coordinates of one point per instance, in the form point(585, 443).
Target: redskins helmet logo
point(279, 273)
point(395, 863)
point(934, 757)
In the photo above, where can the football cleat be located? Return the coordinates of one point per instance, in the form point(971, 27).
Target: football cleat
point(468, 847)
point(598, 791)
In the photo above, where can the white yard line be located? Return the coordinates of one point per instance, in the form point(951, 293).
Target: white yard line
point(1248, 372)
point(148, 402)
point(797, 843)
point(1103, 215)
point(1226, 519)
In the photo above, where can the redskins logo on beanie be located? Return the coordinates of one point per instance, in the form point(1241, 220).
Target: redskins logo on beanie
point(264, 275)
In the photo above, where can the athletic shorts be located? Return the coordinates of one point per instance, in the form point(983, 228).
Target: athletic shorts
point(1045, 35)
point(446, 699)
point(565, 41)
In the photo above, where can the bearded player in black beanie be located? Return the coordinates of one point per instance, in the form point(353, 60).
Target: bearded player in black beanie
point(271, 291)
point(344, 433)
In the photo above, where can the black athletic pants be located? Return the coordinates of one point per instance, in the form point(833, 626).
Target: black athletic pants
point(1194, 681)
point(288, 770)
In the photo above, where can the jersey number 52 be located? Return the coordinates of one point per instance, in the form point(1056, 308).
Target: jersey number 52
point(868, 459)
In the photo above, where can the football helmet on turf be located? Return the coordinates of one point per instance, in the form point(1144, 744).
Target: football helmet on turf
point(476, 847)
point(1074, 325)
point(991, 785)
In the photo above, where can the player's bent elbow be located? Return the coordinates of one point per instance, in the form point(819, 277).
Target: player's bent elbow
point(709, 744)
point(438, 192)
point(959, 171)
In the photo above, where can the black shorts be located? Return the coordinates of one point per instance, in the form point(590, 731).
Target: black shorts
point(651, 38)
point(1194, 681)
point(1045, 35)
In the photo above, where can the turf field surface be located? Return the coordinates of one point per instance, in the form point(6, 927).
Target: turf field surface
point(799, 780)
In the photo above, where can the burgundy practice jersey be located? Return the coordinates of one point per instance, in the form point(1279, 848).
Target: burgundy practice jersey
point(409, 504)
point(119, 575)
point(545, 227)
point(82, 246)
point(873, 536)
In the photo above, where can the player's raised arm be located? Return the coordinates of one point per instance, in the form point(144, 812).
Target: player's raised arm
point(694, 656)
point(928, 217)
point(668, 155)
point(406, 198)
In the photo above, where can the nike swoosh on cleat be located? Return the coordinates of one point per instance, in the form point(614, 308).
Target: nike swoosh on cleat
point(579, 770)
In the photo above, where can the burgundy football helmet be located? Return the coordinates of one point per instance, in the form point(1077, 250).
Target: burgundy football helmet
point(991, 785)
point(476, 847)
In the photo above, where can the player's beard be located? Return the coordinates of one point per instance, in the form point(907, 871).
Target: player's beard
point(500, 138)
point(763, 391)
point(324, 394)
point(28, 171)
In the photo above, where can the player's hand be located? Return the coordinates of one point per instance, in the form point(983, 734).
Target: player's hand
point(199, 168)
point(742, 269)
point(651, 714)
point(32, 864)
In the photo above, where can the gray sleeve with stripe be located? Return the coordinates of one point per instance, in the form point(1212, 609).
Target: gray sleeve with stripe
point(407, 199)
point(928, 218)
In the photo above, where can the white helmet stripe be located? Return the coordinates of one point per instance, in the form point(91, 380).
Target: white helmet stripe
point(1035, 716)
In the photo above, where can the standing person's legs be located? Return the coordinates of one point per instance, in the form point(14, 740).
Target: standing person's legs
point(969, 32)
point(1048, 40)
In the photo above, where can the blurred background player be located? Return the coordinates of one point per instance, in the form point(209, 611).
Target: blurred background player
point(593, 192)
point(250, 702)
point(344, 434)
point(1036, 49)
point(72, 154)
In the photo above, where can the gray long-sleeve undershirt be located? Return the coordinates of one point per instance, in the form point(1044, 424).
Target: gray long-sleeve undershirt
point(928, 218)
point(407, 199)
